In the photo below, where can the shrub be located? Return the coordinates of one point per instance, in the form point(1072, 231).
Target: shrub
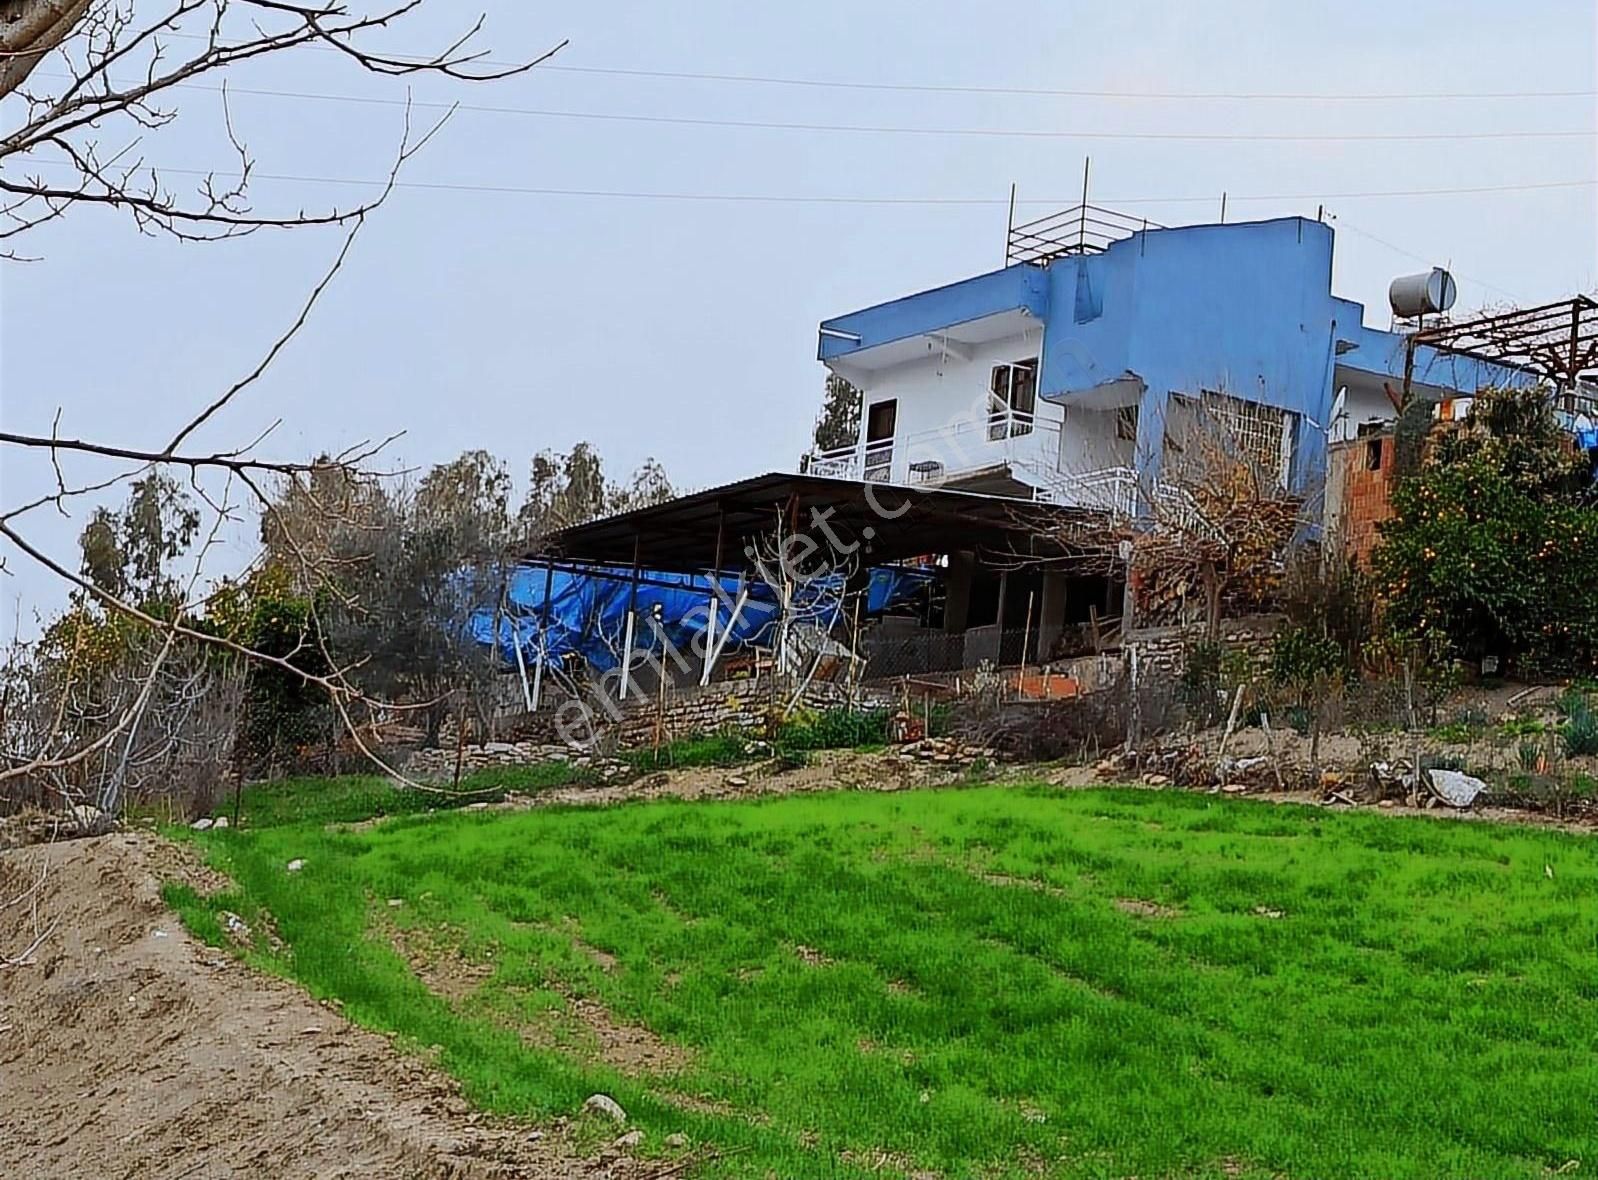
point(835, 729)
point(1301, 658)
point(1529, 755)
point(727, 748)
point(1580, 731)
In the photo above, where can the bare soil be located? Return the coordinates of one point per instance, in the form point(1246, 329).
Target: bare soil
point(128, 1049)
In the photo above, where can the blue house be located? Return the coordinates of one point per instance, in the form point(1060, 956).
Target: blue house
point(1074, 373)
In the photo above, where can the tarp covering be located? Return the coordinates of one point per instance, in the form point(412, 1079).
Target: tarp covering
point(588, 610)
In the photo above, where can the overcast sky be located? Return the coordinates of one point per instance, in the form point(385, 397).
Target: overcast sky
point(685, 329)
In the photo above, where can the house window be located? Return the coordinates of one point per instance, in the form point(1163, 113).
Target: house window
point(1373, 454)
point(1217, 427)
point(1012, 399)
point(1126, 423)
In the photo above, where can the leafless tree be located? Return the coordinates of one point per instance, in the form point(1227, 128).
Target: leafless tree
point(1222, 514)
point(810, 575)
point(88, 87)
point(1211, 529)
point(115, 70)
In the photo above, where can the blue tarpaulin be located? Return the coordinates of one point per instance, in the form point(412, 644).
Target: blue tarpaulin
point(588, 609)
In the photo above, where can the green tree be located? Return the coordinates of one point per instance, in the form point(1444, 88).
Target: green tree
point(128, 553)
point(1492, 550)
point(468, 500)
point(838, 424)
point(571, 489)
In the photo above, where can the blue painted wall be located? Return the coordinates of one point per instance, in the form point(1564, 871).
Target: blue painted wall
point(1381, 352)
point(1243, 309)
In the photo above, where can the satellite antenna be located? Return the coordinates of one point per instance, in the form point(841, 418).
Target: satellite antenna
point(1339, 412)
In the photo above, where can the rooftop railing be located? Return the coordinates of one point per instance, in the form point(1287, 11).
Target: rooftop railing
point(1081, 229)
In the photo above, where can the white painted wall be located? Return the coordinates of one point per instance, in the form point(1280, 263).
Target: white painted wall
point(1366, 401)
point(1088, 442)
point(943, 408)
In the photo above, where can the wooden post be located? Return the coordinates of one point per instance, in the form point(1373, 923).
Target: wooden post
point(1134, 720)
point(627, 654)
point(1231, 724)
point(660, 712)
point(632, 614)
point(1026, 632)
point(460, 742)
point(1270, 748)
point(726, 634)
point(855, 669)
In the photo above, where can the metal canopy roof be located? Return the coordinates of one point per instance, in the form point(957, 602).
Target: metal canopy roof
point(892, 522)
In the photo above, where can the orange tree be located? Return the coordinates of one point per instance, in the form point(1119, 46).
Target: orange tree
point(1493, 545)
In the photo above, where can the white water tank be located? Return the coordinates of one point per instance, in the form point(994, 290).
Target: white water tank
point(1428, 293)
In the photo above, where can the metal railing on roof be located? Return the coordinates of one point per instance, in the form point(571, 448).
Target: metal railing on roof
point(1081, 229)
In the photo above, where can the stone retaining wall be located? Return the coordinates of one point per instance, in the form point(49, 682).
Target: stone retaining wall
point(1163, 650)
point(738, 706)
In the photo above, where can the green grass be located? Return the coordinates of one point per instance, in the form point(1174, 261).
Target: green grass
point(710, 749)
point(355, 797)
point(1315, 994)
point(832, 729)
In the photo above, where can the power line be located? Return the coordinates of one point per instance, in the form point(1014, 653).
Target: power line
point(1343, 223)
point(863, 129)
point(823, 199)
point(1048, 92)
point(1038, 91)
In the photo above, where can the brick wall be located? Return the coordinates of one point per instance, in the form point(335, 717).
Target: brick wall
point(1359, 492)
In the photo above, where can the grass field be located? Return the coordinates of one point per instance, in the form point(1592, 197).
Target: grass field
point(988, 982)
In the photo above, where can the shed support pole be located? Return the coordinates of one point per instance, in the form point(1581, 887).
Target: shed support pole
point(632, 614)
point(711, 650)
point(713, 656)
point(543, 633)
point(521, 662)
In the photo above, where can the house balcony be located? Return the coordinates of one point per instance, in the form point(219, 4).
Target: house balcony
point(1007, 453)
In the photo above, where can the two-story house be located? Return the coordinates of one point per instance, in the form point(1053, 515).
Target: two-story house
point(1067, 374)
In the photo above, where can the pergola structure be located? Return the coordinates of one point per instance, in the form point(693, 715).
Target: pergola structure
point(1555, 341)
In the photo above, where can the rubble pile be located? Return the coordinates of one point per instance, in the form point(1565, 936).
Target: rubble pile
point(946, 751)
point(438, 764)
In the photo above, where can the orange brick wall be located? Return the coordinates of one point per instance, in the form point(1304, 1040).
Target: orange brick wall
point(1363, 495)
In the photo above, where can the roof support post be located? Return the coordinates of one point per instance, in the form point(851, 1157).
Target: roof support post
point(1575, 364)
point(711, 649)
point(543, 633)
point(632, 616)
point(521, 663)
point(1409, 372)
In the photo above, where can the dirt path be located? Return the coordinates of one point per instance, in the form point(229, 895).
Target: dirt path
point(128, 1049)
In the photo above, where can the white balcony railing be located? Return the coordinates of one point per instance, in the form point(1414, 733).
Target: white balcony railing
point(1028, 445)
point(947, 452)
